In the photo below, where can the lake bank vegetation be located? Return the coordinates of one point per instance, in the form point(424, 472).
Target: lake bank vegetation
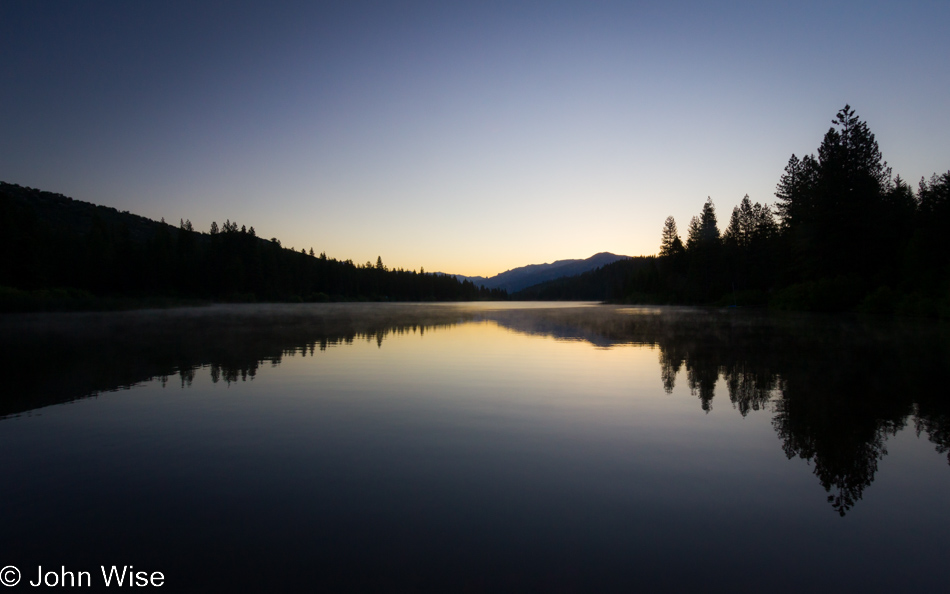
point(844, 235)
point(62, 254)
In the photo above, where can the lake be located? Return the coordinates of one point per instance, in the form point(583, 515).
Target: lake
point(477, 447)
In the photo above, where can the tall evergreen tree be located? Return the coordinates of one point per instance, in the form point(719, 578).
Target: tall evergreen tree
point(670, 243)
point(832, 206)
point(703, 230)
point(739, 231)
point(795, 191)
point(852, 180)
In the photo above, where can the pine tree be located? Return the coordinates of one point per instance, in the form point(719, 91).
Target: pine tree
point(795, 190)
point(703, 230)
point(862, 156)
point(848, 201)
point(741, 224)
point(670, 243)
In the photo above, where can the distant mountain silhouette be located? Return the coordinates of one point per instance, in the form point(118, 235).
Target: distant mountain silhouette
point(532, 274)
point(610, 282)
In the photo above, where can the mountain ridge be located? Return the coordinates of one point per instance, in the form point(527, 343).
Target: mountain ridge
point(522, 277)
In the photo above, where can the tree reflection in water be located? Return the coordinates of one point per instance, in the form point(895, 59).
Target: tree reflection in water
point(837, 388)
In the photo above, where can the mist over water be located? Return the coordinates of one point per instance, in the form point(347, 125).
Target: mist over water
point(571, 447)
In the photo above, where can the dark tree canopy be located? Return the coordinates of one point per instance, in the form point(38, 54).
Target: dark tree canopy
point(843, 234)
point(750, 224)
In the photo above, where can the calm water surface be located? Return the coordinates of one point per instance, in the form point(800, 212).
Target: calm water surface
point(479, 447)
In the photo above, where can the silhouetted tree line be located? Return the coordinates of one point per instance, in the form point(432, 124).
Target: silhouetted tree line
point(55, 247)
point(843, 235)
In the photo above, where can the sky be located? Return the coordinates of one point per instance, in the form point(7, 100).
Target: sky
point(463, 137)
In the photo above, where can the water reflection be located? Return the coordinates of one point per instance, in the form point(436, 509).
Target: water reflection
point(56, 358)
point(836, 389)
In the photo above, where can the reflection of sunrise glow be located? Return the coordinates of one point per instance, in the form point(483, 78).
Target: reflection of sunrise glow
point(483, 364)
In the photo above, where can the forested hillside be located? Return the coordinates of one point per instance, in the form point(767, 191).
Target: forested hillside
point(57, 252)
point(844, 235)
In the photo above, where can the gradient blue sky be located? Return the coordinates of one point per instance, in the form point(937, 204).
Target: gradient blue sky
point(463, 137)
